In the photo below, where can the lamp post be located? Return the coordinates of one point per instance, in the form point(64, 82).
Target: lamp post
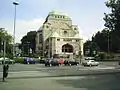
point(15, 3)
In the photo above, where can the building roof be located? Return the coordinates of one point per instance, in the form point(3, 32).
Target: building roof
point(58, 13)
point(54, 34)
point(60, 25)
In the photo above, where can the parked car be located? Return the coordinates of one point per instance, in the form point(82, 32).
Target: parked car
point(29, 61)
point(7, 61)
point(70, 63)
point(52, 63)
point(90, 63)
point(61, 61)
point(42, 61)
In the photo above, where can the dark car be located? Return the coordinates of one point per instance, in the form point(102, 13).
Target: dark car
point(70, 63)
point(52, 63)
point(42, 61)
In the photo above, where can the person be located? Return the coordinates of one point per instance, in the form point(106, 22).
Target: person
point(5, 71)
point(7, 67)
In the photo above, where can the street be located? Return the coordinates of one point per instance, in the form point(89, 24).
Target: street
point(100, 82)
point(35, 77)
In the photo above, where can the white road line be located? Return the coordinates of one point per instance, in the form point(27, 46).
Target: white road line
point(25, 72)
point(98, 68)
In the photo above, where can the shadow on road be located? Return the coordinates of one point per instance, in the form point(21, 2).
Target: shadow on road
point(102, 82)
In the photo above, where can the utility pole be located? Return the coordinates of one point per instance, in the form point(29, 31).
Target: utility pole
point(4, 52)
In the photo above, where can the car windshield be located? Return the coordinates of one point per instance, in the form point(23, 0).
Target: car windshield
point(60, 44)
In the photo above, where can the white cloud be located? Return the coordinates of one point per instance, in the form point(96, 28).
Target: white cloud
point(22, 26)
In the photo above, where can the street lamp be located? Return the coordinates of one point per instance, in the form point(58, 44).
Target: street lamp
point(15, 3)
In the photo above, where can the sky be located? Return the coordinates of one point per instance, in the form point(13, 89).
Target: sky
point(87, 14)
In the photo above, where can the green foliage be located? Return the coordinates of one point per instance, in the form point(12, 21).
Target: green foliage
point(1, 55)
point(5, 36)
point(109, 38)
point(19, 60)
point(28, 41)
point(102, 55)
point(90, 48)
point(105, 56)
point(112, 22)
point(9, 56)
point(101, 39)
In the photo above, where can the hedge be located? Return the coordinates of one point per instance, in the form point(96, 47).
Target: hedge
point(19, 60)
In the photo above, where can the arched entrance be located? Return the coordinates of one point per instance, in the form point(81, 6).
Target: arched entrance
point(67, 48)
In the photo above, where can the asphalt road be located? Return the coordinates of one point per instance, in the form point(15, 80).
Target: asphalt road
point(37, 67)
point(97, 82)
point(39, 70)
point(62, 78)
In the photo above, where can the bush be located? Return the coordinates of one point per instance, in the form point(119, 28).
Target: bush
point(1, 55)
point(101, 55)
point(19, 60)
point(9, 56)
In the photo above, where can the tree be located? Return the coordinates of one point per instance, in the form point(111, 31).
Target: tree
point(109, 38)
point(90, 48)
point(5, 36)
point(101, 39)
point(112, 22)
point(28, 41)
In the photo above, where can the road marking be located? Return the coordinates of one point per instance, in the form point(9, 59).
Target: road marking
point(98, 68)
point(24, 72)
point(67, 77)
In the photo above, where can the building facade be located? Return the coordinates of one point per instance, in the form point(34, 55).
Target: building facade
point(58, 37)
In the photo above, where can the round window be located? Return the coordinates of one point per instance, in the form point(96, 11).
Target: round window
point(47, 26)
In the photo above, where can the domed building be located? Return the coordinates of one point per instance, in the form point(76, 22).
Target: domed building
point(58, 37)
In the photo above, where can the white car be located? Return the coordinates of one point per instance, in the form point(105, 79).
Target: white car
point(7, 61)
point(90, 63)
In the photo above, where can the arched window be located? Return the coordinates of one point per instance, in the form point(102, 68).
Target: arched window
point(65, 32)
point(67, 48)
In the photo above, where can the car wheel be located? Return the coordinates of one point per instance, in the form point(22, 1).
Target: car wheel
point(50, 65)
point(90, 65)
